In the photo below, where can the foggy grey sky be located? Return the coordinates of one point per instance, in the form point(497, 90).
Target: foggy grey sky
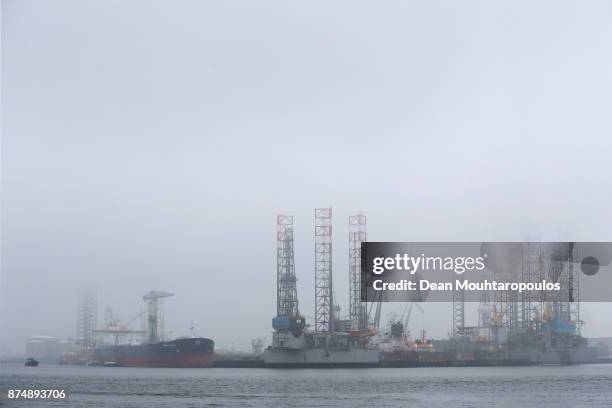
point(149, 145)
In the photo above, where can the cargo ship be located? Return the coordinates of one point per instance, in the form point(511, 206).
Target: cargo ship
point(195, 352)
point(154, 350)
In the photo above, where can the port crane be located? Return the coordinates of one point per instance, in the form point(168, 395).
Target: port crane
point(405, 317)
point(155, 319)
point(114, 327)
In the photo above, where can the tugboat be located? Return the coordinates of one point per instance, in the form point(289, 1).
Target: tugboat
point(30, 362)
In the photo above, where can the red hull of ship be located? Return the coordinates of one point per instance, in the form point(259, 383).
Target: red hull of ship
point(180, 353)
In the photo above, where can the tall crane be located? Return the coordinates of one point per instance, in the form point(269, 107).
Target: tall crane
point(405, 318)
point(155, 318)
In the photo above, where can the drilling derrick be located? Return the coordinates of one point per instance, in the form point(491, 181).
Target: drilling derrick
point(563, 309)
point(323, 271)
point(286, 288)
point(458, 312)
point(87, 319)
point(293, 345)
point(288, 324)
point(357, 235)
point(155, 315)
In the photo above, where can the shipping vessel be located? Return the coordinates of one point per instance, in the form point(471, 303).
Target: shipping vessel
point(181, 353)
point(152, 350)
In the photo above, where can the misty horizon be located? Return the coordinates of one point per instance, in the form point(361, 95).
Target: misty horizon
point(157, 155)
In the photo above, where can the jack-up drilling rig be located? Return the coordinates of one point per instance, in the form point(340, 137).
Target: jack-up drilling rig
point(330, 344)
point(288, 323)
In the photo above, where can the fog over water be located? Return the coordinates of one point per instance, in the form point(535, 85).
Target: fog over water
point(150, 145)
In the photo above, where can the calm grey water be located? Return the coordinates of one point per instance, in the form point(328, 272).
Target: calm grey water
point(571, 386)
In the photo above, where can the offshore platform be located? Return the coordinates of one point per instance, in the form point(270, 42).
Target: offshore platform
point(513, 329)
point(333, 342)
point(528, 328)
point(532, 327)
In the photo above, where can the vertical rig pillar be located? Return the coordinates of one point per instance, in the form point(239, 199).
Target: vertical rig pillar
point(458, 312)
point(87, 319)
point(286, 288)
point(357, 235)
point(323, 271)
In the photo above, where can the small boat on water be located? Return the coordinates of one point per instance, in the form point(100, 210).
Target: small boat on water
point(30, 362)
